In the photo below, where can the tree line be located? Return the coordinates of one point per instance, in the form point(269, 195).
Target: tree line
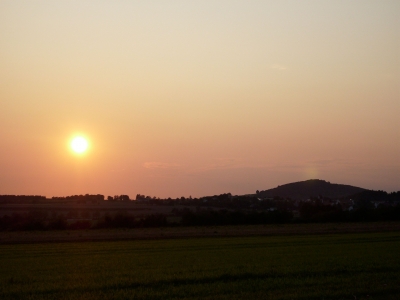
point(308, 213)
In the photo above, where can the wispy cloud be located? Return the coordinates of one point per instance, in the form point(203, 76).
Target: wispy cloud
point(160, 165)
point(219, 164)
point(278, 67)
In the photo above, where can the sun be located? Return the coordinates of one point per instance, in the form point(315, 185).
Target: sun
point(79, 144)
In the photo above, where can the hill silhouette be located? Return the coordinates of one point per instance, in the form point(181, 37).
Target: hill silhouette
point(311, 188)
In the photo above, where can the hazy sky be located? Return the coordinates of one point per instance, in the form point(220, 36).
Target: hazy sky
point(182, 98)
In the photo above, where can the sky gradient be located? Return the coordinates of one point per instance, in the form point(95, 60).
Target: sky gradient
point(182, 98)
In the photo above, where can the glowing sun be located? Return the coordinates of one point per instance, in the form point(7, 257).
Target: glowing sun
point(79, 144)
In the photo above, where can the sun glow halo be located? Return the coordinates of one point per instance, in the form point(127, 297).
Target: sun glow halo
point(79, 145)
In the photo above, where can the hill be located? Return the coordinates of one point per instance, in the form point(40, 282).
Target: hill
point(311, 188)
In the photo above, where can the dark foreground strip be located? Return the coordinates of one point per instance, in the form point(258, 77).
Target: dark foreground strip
point(92, 235)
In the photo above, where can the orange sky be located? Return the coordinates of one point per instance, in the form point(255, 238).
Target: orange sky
point(182, 98)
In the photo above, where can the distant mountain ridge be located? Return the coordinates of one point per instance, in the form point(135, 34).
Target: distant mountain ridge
point(311, 188)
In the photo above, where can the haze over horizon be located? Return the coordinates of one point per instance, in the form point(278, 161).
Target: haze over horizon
point(197, 98)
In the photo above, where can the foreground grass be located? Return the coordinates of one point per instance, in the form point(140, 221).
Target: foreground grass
point(348, 266)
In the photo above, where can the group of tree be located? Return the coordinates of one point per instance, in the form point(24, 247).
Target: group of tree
point(376, 196)
point(364, 212)
point(125, 220)
point(39, 220)
point(225, 217)
point(308, 213)
point(80, 198)
point(118, 198)
point(36, 220)
point(21, 198)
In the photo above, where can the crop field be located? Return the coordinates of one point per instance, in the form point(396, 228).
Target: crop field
point(340, 266)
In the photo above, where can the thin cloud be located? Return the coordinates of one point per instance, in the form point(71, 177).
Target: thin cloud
point(160, 165)
point(219, 164)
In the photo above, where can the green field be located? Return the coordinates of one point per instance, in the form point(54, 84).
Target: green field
point(342, 266)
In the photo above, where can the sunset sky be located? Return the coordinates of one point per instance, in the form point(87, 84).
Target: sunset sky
point(180, 98)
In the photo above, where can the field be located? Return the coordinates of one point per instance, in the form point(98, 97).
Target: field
point(339, 266)
point(15, 237)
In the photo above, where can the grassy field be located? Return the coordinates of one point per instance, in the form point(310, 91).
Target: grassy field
point(340, 266)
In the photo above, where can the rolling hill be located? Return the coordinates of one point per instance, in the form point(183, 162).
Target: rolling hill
point(311, 188)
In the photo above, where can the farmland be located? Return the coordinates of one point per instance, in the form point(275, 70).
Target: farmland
point(338, 266)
